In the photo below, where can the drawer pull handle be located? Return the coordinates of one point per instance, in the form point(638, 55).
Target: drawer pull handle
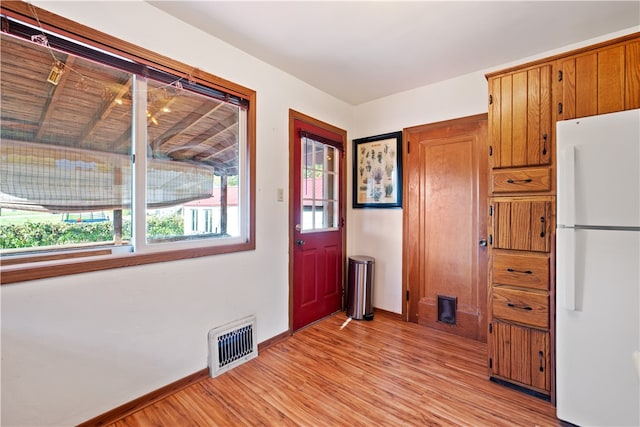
point(521, 307)
point(540, 355)
point(519, 181)
point(511, 270)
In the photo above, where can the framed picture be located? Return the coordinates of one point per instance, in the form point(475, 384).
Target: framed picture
point(377, 171)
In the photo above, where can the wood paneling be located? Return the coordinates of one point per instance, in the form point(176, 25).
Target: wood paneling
point(600, 81)
point(632, 76)
point(611, 80)
point(521, 118)
point(522, 225)
point(521, 355)
point(586, 94)
point(383, 372)
point(540, 360)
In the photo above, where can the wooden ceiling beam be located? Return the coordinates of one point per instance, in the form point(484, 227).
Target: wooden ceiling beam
point(53, 98)
point(104, 113)
point(181, 127)
point(219, 152)
point(205, 143)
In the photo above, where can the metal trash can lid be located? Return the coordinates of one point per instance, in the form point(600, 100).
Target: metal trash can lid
point(362, 259)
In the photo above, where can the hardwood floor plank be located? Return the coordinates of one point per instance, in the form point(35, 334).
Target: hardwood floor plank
point(385, 373)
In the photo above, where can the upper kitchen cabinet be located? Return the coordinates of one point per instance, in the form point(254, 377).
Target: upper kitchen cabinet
point(599, 81)
point(520, 118)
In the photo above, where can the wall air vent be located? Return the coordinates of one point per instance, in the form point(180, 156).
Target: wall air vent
point(232, 344)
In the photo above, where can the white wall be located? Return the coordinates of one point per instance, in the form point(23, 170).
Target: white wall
point(74, 347)
point(378, 232)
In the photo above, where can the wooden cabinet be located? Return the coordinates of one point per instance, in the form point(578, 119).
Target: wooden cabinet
point(520, 118)
point(521, 354)
point(524, 104)
point(599, 81)
point(520, 291)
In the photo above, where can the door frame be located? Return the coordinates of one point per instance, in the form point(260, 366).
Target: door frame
point(293, 116)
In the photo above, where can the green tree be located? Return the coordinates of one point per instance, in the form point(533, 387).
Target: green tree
point(39, 234)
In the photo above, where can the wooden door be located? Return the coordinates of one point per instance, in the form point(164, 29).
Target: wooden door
point(316, 219)
point(520, 118)
point(444, 224)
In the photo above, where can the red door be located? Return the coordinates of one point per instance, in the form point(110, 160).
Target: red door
point(317, 220)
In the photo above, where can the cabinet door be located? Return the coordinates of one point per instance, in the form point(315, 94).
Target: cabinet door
point(540, 360)
point(520, 118)
point(604, 81)
point(499, 343)
point(520, 354)
point(522, 225)
point(632, 76)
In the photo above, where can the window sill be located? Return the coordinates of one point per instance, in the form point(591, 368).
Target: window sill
point(91, 261)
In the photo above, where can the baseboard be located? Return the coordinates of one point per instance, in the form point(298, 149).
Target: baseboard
point(142, 402)
point(386, 313)
point(273, 340)
point(522, 389)
point(135, 405)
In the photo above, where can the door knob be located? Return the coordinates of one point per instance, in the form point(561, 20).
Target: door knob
point(299, 242)
point(483, 242)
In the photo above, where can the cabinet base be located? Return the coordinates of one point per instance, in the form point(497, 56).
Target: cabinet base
point(522, 389)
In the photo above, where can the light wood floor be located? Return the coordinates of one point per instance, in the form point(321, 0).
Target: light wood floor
point(379, 373)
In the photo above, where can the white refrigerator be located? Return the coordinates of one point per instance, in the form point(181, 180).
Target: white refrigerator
point(598, 270)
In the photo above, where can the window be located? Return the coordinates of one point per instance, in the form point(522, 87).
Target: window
point(208, 221)
point(319, 185)
point(111, 153)
point(194, 220)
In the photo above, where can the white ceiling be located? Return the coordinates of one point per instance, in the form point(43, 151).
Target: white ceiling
point(358, 51)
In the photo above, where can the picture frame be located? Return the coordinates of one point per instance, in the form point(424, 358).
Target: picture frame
point(377, 171)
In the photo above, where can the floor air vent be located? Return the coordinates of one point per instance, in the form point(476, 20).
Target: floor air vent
point(232, 344)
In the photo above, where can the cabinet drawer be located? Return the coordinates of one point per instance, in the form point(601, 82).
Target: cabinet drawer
point(524, 307)
point(525, 270)
point(521, 180)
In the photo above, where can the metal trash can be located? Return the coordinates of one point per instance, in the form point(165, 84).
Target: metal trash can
point(360, 287)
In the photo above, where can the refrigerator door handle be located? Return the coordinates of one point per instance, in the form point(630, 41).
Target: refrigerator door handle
point(569, 267)
point(567, 186)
